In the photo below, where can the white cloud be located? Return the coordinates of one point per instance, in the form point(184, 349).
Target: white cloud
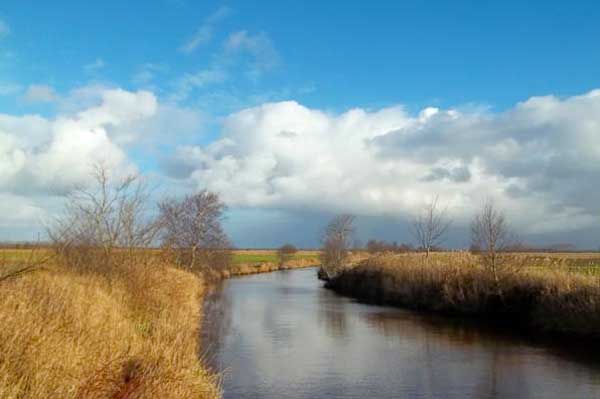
point(94, 66)
point(204, 33)
point(40, 94)
point(260, 48)
point(4, 29)
point(50, 156)
point(199, 80)
point(42, 159)
point(146, 73)
point(168, 125)
point(538, 160)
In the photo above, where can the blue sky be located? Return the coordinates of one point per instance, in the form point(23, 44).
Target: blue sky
point(409, 52)
point(210, 67)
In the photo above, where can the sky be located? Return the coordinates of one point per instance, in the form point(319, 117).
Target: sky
point(296, 111)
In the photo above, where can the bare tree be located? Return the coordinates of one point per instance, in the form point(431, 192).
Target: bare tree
point(491, 234)
point(107, 215)
point(430, 226)
point(337, 240)
point(192, 231)
point(285, 253)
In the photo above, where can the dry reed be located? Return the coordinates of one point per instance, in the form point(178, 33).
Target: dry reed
point(132, 334)
point(550, 297)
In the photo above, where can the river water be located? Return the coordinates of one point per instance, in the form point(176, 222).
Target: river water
point(281, 335)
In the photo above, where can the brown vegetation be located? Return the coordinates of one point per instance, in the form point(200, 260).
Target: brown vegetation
point(543, 294)
point(285, 253)
point(104, 225)
point(106, 318)
point(133, 334)
point(380, 246)
point(242, 269)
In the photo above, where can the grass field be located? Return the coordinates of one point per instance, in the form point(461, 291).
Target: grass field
point(250, 256)
point(242, 256)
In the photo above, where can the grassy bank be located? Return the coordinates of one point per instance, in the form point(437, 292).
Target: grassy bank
point(243, 260)
point(264, 261)
point(128, 333)
point(549, 294)
point(254, 256)
point(132, 334)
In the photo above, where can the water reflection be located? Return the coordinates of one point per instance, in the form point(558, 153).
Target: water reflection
point(280, 335)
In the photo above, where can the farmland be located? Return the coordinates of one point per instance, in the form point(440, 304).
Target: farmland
point(240, 257)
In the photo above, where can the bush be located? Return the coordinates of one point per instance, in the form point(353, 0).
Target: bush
point(285, 253)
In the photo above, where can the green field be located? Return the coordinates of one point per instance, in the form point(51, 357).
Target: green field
point(267, 256)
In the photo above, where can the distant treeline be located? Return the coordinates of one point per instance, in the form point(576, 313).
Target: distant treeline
point(375, 246)
point(554, 248)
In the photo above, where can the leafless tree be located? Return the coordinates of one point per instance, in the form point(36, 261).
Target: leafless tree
point(491, 234)
point(337, 240)
point(430, 226)
point(192, 231)
point(104, 221)
point(285, 253)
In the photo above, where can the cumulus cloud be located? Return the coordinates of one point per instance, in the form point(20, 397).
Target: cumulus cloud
point(41, 156)
point(204, 33)
point(538, 160)
point(39, 94)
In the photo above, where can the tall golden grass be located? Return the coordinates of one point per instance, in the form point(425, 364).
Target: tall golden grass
point(544, 294)
point(240, 269)
point(126, 334)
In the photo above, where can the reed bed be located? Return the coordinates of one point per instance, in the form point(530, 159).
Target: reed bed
point(126, 334)
point(241, 269)
point(544, 294)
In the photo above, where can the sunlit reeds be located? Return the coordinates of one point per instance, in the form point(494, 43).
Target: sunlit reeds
point(551, 294)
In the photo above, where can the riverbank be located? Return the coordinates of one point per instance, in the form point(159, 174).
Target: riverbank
point(242, 269)
point(531, 292)
point(131, 332)
point(281, 335)
point(84, 335)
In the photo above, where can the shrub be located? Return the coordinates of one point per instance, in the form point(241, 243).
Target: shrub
point(285, 253)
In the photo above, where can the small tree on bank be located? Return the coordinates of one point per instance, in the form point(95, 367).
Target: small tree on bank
point(491, 235)
point(105, 224)
point(430, 226)
point(337, 240)
point(192, 231)
point(285, 253)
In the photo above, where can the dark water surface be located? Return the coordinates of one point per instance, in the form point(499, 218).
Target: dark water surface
point(281, 335)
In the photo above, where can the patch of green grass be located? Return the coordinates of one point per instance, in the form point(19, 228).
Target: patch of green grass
point(266, 257)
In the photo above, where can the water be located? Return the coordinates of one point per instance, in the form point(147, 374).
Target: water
point(281, 335)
